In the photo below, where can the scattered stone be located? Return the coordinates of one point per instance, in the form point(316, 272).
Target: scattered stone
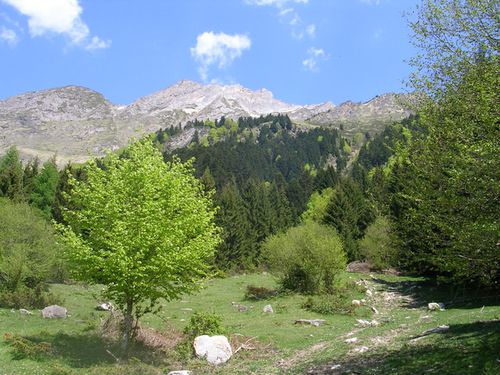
point(54, 311)
point(106, 306)
point(216, 349)
point(241, 308)
point(268, 309)
point(351, 340)
point(374, 309)
point(356, 302)
point(434, 306)
point(25, 312)
point(187, 309)
point(313, 322)
point(360, 349)
point(367, 323)
point(180, 372)
point(369, 293)
point(335, 367)
point(363, 301)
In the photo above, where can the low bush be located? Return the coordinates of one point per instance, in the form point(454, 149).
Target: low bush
point(256, 293)
point(22, 348)
point(29, 256)
point(308, 258)
point(204, 324)
point(376, 246)
point(23, 297)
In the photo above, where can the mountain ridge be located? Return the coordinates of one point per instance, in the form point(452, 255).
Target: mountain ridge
point(77, 122)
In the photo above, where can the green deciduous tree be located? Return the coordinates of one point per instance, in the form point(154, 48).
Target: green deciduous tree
point(143, 228)
point(445, 206)
point(451, 36)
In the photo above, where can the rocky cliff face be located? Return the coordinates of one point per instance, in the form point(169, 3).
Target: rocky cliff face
point(77, 123)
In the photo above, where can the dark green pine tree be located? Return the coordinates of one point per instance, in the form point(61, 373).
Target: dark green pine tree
point(11, 176)
point(208, 180)
point(44, 188)
point(259, 209)
point(350, 213)
point(238, 245)
point(281, 211)
point(30, 173)
point(63, 188)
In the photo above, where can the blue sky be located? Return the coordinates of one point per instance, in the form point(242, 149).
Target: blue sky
point(304, 51)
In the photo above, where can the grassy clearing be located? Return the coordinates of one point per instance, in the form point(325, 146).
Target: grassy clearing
point(473, 338)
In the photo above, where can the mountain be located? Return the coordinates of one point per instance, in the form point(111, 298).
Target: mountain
point(76, 122)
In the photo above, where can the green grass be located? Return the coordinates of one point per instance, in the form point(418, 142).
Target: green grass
point(76, 347)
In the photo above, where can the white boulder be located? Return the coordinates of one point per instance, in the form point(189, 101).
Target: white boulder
point(54, 311)
point(216, 349)
point(356, 302)
point(268, 309)
point(434, 306)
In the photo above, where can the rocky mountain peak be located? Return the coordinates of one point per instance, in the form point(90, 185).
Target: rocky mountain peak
point(76, 122)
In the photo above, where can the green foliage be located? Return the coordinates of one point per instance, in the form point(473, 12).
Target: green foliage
point(307, 257)
point(29, 297)
point(44, 188)
point(451, 37)
point(11, 176)
point(204, 324)
point(350, 213)
point(376, 246)
point(256, 293)
point(445, 205)
point(22, 348)
point(329, 304)
point(29, 255)
point(316, 207)
point(143, 228)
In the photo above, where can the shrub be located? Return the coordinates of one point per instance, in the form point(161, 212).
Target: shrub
point(259, 292)
point(376, 246)
point(328, 304)
point(28, 255)
point(204, 324)
point(24, 348)
point(23, 297)
point(307, 257)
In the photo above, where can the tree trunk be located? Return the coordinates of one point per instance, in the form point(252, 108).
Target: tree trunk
point(127, 329)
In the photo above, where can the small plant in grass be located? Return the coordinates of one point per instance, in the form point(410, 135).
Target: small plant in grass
point(22, 348)
point(204, 324)
point(200, 324)
point(256, 293)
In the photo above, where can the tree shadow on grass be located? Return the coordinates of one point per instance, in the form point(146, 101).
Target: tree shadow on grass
point(422, 292)
point(466, 349)
point(88, 350)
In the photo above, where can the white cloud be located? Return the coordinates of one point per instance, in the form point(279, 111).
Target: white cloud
point(8, 36)
point(371, 2)
point(58, 17)
point(97, 43)
point(276, 3)
point(315, 55)
point(218, 49)
point(288, 15)
point(311, 30)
